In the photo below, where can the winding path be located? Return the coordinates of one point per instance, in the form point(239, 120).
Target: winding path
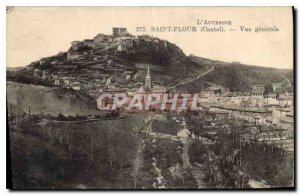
point(192, 80)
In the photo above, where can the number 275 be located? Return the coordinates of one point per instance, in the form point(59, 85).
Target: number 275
point(140, 29)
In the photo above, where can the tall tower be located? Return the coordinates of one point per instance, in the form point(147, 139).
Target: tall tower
point(148, 79)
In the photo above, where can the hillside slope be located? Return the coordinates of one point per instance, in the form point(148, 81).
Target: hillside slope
point(109, 56)
point(49, 100)
point(240, 77)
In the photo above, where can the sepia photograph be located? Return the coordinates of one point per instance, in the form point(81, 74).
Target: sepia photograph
point(150, 98)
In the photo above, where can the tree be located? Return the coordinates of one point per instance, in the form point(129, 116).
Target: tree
point(268, 88)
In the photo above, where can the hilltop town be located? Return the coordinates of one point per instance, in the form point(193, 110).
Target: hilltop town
point(106, 61)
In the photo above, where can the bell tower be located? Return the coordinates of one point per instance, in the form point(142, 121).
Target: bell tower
point(148, 79)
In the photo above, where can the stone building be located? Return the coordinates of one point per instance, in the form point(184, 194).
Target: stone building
point(117, 32)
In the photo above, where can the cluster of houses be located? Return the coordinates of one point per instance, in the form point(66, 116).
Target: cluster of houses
point(273, 126)
point(282, 86)
point(119, 41)
point(280, 117)
point(272, 109)
point(64, 81)
point(90, 85)
point(255, 98)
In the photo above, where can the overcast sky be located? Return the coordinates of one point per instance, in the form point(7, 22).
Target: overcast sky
point(33, 33)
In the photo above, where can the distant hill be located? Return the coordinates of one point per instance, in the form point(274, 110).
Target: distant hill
point(240, 77)
point(12, 69)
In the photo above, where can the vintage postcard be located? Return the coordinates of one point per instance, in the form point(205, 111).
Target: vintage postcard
point(150, 98)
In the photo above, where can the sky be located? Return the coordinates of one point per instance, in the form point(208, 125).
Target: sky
point(37, 32)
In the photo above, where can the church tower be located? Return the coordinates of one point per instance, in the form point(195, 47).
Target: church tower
point(148, 79)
